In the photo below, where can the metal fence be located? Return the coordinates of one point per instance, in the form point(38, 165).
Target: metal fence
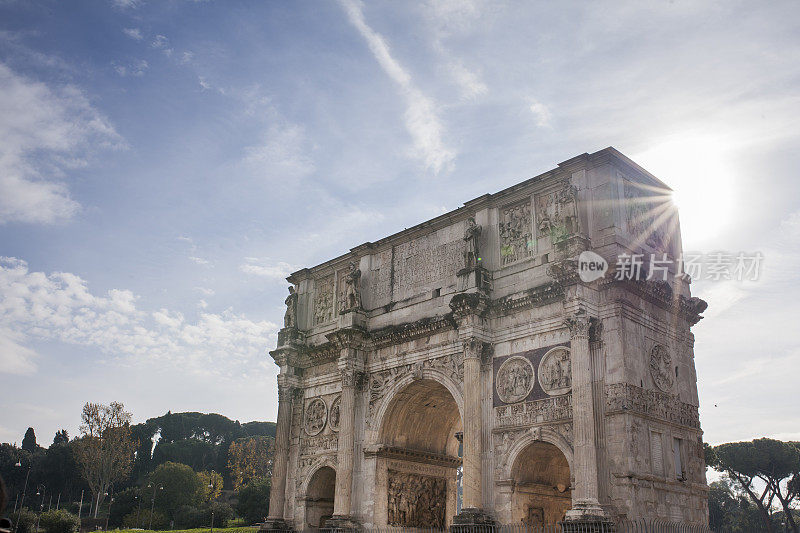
point(621, 526)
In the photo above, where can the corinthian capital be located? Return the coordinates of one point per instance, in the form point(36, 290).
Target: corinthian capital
point(285, 393)
point(476, 349)
point(578, 324)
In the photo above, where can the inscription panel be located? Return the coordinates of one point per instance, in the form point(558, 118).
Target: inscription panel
point(378, 280)
point(425, 264)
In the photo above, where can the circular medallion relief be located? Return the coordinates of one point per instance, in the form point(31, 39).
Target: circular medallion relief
point(333, 417)
point(555, 372)
point(316, 416)
point(514, 379)
point(661, 367)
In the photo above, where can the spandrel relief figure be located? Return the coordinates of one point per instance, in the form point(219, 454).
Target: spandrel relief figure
point(471, 245)
point(290, 317)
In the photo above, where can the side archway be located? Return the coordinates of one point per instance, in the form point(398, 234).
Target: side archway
point(540, 472)
point(318, 495)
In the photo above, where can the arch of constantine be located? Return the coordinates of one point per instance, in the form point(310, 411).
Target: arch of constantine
point(462, 371)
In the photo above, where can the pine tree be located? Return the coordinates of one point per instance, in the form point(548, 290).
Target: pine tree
point(29, 441)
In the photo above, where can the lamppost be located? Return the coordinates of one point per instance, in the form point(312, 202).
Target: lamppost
point(24, 490)
point(139, 512)
point(111, 492)
point(213, 489)
point(153, 502)
point(40, 490)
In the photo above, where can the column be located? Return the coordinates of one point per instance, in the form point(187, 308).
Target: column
point(344, 469)
point(585, 503)
point(472, 495)
point(277, 496)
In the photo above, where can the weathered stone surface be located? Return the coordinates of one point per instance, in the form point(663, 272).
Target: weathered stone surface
point(469, 342)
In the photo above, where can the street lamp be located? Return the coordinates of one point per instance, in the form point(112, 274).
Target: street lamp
point(24, 490)
point(153, 502)
point(40, 490)
point(211, 486)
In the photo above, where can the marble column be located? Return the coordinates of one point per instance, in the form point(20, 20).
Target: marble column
point(344, 470)
point(277, 496)
point(585, 503)
point(472, 495)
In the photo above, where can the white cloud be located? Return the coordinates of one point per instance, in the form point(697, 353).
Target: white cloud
point(205, 291)
point(126, 4)
point(468, 81)
point(283, 153)
point(135, 68)
point(421, 116)
point(541, 113)
point(266, 268)
point(15, 358)
point(57, 126)
point(200, 261)
point(59, 306)
point(133, 33)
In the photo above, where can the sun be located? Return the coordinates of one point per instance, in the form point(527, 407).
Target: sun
point(703, 185)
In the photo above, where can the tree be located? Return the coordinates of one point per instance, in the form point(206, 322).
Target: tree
point(62, 437)
point(250, 459)
point(29, 441)
point(253, 504)
point(105, 449)
point(182, 486)
point(212, 485)
point(774, 463)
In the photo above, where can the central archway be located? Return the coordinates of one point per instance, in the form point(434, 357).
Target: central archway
point(542, 492)
point(418, 457)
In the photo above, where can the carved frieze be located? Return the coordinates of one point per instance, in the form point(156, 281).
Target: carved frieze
point(624, 397)
point(516, 233)
point(661, 367)
point(527, 413)
point(515, 379)
point(323, 300)
point(316, 416)
point(416, 501)
point(555, 372)
point(320, 444)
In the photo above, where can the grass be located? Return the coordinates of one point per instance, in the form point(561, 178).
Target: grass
point(244, 529)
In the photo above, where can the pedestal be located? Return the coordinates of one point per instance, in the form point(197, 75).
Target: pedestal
point(340, 523)
point(275, 524)
point(471, 520)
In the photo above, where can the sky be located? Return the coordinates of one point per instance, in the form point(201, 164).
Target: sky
point(164, 165)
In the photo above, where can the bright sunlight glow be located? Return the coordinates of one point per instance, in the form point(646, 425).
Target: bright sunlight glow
point(703, 186)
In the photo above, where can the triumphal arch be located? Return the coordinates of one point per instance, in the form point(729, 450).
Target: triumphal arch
point(481, 367)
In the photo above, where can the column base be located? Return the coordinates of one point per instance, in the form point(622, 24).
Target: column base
point(470, 519)
point(275, 524)
point(587, 516)
point(341, 523)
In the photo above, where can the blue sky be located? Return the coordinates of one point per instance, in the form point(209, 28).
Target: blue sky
point(165, 164)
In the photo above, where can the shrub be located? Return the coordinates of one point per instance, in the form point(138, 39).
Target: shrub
point(222, 514)
point(134, 520)
point(61, 521)
point(26, 522)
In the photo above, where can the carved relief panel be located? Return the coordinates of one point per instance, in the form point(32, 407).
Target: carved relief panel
point(415, 500)
point(661, 367)
point(645, 215)
point(334, 416)
point(316, 416)
point(323, 300)
point(514, 379)
point(557, 213)
point(516, 233)
point(555, 372)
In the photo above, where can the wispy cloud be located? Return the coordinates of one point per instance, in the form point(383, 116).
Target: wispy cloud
point(133, 33)
point(266, 268)
point(283, 153)
point(421, 117)
point(199, 260)
point(126, 4)
point(135, 68)
point(541, 114)
point(58, 128)
point(60, 306)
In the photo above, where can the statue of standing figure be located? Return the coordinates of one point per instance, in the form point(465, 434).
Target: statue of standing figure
point(290, 317)
point(352, 295)
point(471, 250)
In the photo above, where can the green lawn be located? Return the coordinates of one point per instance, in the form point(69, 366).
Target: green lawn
point(198, 530)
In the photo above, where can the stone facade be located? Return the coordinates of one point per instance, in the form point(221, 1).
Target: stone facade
point(468, 348)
